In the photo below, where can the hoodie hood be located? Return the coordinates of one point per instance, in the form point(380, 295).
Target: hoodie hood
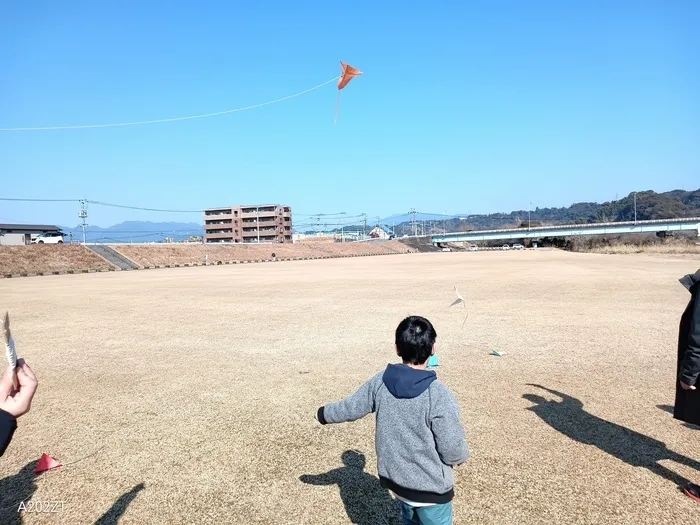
point(690, 280)
point(405, 382)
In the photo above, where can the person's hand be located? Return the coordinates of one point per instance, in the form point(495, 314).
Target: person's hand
point(17, 402)
point(686, 386)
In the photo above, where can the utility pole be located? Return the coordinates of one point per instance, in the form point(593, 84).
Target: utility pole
point(83, 216)
point(257, 221)
point(413, 222)
point(635, 207)
point(529, 205)
point(364, 224)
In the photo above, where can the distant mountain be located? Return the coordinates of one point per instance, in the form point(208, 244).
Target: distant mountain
point(408, 217)
point(137, 231)
point(649, 206)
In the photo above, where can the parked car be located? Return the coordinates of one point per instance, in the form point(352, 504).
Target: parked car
point(473, 248)
point(505, 247)
point(518, 247)
point(48, 238)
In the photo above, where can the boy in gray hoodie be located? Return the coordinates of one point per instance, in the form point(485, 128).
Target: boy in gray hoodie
point(419, 435)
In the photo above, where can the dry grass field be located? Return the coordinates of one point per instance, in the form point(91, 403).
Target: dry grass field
point(157, 255)
point(659, 249)
point(48, 258)
point(193, 391)
point(33, 259)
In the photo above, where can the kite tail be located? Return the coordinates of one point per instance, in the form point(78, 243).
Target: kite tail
point(337, 108)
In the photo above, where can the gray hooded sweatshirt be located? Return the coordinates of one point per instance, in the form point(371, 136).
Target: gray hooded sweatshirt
point(419, 435)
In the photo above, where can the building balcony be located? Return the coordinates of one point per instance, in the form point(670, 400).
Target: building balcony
point(219, 235)
point(264, 221)
point(223, 217)
point(263, 233)
point(261, 215)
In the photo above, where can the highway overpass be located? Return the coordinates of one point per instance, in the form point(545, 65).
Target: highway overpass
point(572, 230)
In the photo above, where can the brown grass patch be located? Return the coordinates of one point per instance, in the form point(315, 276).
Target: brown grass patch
point(38, 258)
point(202, 383)
point(161, 255)
point(656, 249)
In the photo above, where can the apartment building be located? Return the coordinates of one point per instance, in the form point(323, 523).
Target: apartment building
point(248, 224)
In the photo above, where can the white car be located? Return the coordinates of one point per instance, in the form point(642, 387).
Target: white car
point(473, 248)
point(505, 247)
point(48, 238)
point(518, 247)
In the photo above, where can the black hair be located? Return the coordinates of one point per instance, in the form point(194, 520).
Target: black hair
point(415, 337)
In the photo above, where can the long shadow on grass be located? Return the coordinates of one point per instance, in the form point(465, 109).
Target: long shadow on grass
point(115, 512)
point(568, 417)
point(14, 490)
point(366, 502)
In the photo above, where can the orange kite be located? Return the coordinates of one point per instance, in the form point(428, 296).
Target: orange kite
point(349, 73)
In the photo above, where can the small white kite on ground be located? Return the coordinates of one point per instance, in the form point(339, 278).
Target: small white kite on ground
point(460, 300)
point(10, 349)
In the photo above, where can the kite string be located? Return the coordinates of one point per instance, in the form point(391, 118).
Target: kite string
point(337, 108)
point(175, 119)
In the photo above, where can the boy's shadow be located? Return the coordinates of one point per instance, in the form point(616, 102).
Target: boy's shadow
point(366, 502)
point(568, 417)
point(14, 490)
point(115, 512)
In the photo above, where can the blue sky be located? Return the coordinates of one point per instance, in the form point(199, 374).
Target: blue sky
point(463, 106)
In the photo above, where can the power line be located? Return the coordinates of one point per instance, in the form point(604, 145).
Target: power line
point(159, 121)
point(109, 230)
point(99, 203)
point(38, 200)
point(336, 215)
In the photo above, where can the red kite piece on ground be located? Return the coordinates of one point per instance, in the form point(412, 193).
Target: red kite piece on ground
point(349, 73)
point(46, 462)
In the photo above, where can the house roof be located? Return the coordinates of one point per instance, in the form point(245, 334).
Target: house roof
point(27, 228)
point(385, 229)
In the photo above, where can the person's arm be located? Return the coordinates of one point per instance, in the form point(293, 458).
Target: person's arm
point(14, 404)
point(351, 408)
point(446, 424)
point(690, 367)
point(329, 478)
